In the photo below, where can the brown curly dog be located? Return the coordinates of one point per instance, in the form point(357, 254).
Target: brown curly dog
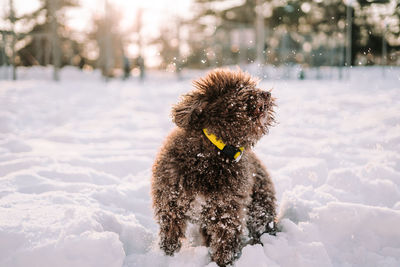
point(206, 172)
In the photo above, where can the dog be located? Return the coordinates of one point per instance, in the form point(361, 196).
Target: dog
point(206, 172)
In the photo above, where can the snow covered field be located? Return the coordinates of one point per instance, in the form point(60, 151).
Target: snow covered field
point(75, 161)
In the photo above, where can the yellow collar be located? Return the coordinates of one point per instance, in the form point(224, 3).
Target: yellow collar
point(232, 152)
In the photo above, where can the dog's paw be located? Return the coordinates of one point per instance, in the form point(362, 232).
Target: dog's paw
point(225, 258)
point(170, 246)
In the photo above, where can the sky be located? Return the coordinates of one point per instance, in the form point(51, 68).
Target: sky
point(79, 18)
point(89, 7)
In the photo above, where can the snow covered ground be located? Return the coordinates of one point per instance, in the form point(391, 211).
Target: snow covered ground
point(75, 161)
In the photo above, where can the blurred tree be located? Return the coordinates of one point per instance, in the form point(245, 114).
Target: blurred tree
point(396, 28)
point(311, 31)
point(379, 22)
point(38, 40)
point(109, 41)
point(212, 29)
point(167, 45)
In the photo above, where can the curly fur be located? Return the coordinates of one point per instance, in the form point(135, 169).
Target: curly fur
point(237, 195)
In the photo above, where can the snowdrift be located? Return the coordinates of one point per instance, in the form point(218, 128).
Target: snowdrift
point(75, 160)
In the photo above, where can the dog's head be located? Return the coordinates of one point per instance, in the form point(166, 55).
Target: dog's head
point(229, 104)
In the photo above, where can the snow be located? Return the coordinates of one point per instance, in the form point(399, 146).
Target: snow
point(76, 156)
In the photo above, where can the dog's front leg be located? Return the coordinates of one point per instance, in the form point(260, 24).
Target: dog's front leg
point(222, 225)
point(261, 210)
point(170, 209)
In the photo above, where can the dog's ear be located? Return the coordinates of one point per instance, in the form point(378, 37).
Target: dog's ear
point(188, 112)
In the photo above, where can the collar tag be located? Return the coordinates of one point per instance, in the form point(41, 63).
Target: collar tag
point(231, 152)
point(239, 157)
